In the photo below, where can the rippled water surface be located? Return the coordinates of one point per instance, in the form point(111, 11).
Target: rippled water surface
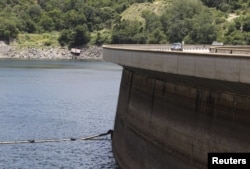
point(56, 100)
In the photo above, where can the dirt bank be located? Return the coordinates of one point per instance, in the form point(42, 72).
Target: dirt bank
point(87, 53)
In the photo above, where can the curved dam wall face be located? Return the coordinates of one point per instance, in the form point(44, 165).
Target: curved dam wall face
point(172, 120)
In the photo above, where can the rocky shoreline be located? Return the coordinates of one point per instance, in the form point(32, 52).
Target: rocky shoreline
point(86, 53)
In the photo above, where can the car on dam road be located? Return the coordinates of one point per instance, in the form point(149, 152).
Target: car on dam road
point(176, 46)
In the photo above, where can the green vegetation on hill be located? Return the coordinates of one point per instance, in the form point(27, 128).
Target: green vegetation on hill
point(180, 20)
point(134, 12)
point(81, 22)
point(37, 40)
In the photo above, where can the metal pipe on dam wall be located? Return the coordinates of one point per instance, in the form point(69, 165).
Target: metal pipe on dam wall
point(172, 120)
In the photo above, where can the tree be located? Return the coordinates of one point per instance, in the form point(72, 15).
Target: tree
point(47, 23)
point(81, 35)
point(30, 26)
point(248, 38)
point(177, 31)
point(202, 31)
point(78, 36)
point(223, 5)
point(57, 17)
point(157, 37)
point(152, 21)
point(8, 30)
point(66, 37)
point(126, 32)
point(212, 3)
point(35, 12)
point(246, 24)
point(183, 9)
point(174, 20)
point(73, 18)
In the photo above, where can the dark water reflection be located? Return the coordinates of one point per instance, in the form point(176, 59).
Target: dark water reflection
point(54, 100)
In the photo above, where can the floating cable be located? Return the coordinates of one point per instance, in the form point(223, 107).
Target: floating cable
point(110, 132)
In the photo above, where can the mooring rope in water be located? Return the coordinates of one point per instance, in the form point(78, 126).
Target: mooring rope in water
point(110, 132)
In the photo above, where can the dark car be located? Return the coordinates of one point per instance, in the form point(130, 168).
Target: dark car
point(176, 46)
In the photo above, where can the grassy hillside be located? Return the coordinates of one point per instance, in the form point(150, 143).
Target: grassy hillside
point(86, 22)
point(134, 12)
point(37, 40)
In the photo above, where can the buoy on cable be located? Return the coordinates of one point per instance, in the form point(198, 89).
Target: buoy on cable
point(109, 132)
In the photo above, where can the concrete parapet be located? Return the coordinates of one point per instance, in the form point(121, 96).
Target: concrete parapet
point(234, 50)
point(228, 67)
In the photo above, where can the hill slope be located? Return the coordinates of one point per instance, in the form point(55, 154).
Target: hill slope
point(134, 12)
point(80, 22)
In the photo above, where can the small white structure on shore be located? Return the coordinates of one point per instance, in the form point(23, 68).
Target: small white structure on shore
point(75, 51)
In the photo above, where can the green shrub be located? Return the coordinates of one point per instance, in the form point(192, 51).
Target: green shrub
point(47, 43)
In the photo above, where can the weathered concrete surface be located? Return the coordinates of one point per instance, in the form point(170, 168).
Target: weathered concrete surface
point(165, 121)
point(175, 107)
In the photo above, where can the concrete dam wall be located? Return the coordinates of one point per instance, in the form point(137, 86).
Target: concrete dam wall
point(172, 120)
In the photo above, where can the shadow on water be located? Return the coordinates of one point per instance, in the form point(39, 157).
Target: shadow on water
point(53, 64)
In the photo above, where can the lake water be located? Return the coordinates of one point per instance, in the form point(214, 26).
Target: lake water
point(56, 100)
